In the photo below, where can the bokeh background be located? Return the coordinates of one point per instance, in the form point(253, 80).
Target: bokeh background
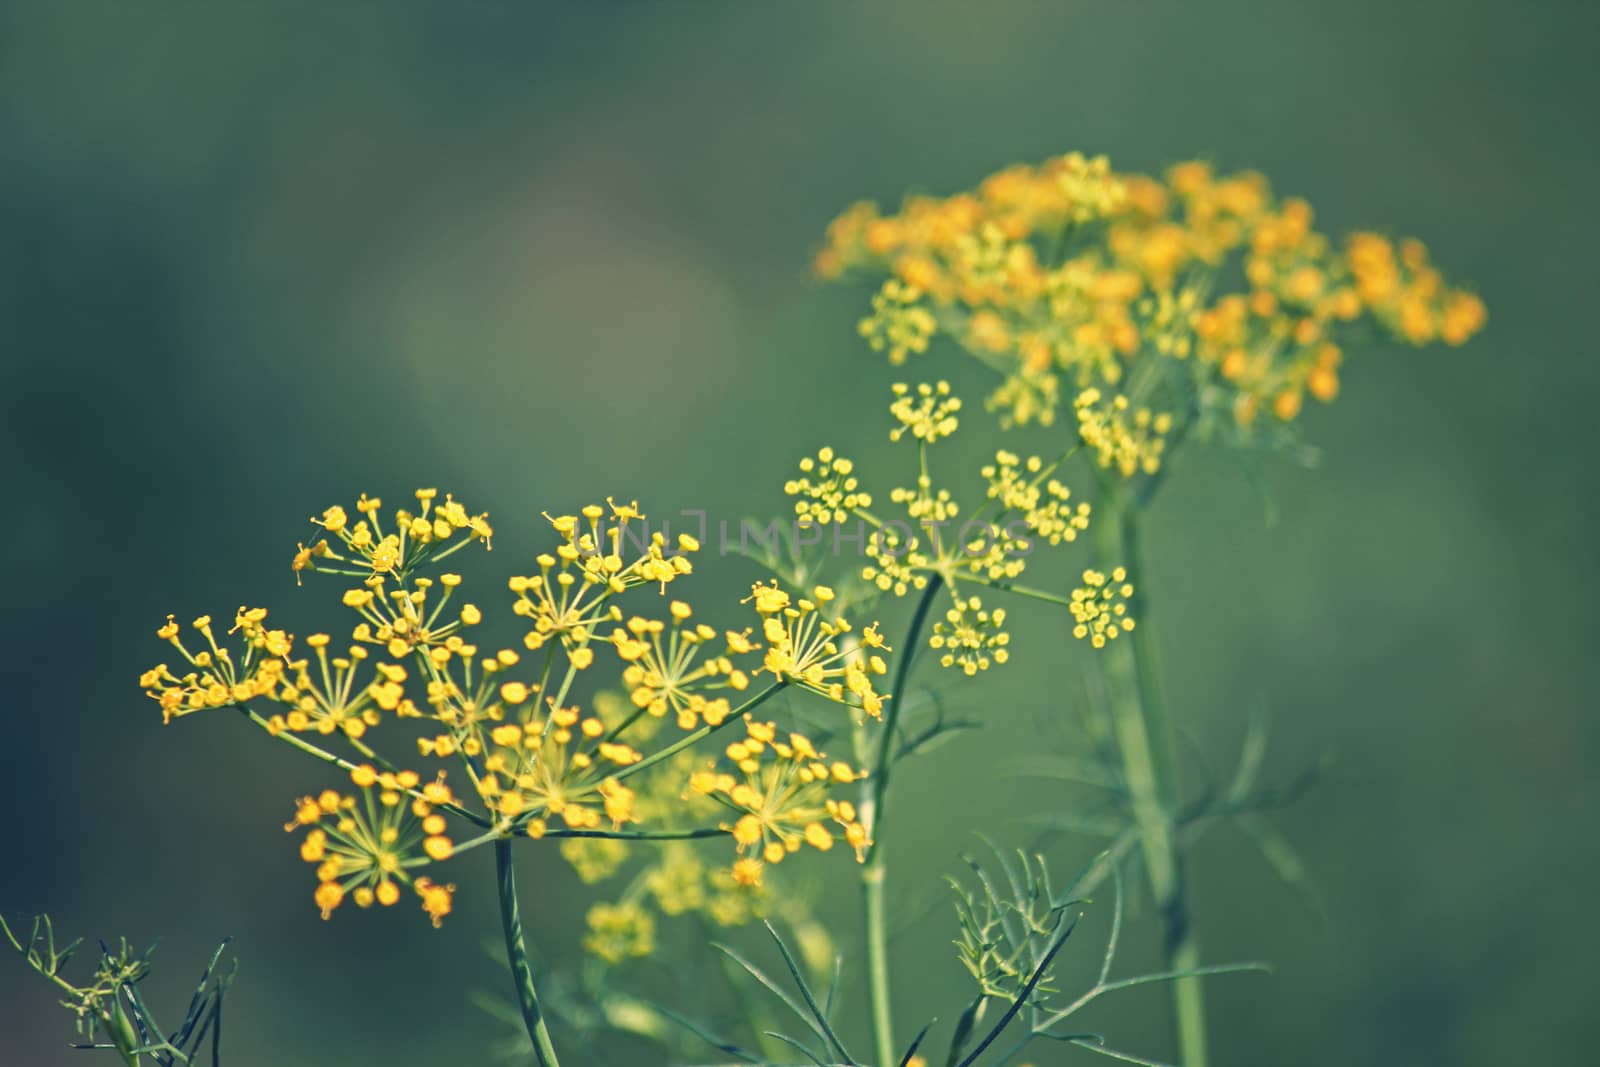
point(258, 257)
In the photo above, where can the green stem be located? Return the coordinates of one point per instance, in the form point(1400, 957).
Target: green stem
point(517, 953)
point(873, 877)
point(691, 739)
point(1145, 738)
point(325, 756)
point(874, 873)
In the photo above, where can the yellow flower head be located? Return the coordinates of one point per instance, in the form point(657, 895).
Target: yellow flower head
point(405, 621)
point(971, 637)
point(808, 647)
point(215, 678)
point(778, 797)
point(1127, 439)
point(596, 560)
point(899, 323)
point(1070, 270)
point(328, 698)
point(366, 850)
point(828, 489)
point(1099, 607)
point(416, 538)
point(667, 670)
point(618, 932)
point(677, 881)
point(927, 412)
point(594, 858)
point(558, 764)
point(1026, 489)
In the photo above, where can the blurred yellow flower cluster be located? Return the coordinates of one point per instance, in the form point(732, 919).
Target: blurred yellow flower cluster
point(1100, 608)
point(1071, 271)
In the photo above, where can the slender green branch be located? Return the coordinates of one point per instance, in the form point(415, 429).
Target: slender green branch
point(873, 872)
point(873, 876)
point(644, 835)
point(691, 739)
point(294, 741)
point(879, 781)
point(1023, 590)
point(366, 750)
point(517, 954)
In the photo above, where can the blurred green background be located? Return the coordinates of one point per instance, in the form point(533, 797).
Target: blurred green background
point(259, 257)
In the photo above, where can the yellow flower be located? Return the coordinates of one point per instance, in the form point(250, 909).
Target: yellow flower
point(1024, 487)
point(620, 931)
point(678, 879)
point(899, 324)
point(427, 535)
point(1070, 270)
point(216, 680)
point(559, 764)
point(828, 488)
point(436, 899)
point(403, 621)
point(594, 858)
point(665, 670)
point(571, 594)
point(1130, 440)
point(1099, 607)
point(780, 798)
point(366, 850)
point(971, 637)
point(927, 413)
point(807, 647)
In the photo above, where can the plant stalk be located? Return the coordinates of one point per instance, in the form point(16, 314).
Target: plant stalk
point(874, 873)
point(517, 953)
point(1145, 739)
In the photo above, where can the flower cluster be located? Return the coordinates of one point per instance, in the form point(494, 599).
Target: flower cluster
point(1027, 504)
point(214, 679)
point(541, 762)
point(809, 647)
point(330, 698)
point(1070, 270)
point(828, 489)
point(620, 931)
point(570, 595)
point(427, 535)
point(971, 637)
point(400, 621)
point(1043, 502)
point(1128, 441)
point(1099, 607)
point(927, 412)
point(899, 324)
point(666, 672)
point(559, 765)
point(780, 798)
point(367, 849)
